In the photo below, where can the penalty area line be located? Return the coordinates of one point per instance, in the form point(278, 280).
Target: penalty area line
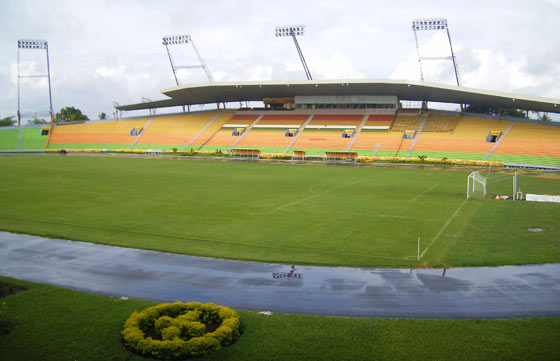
point(426, 191)
point(443, 228)
point(314, 196)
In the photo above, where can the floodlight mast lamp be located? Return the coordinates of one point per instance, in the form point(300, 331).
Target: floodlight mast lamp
point(39, 45)
point(184, 39)
point(434, 24)
point(293, 31)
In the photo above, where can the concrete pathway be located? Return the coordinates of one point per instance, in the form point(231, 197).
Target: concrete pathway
point(498, 292)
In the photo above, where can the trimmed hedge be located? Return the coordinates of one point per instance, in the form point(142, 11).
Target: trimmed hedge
point(178, 330)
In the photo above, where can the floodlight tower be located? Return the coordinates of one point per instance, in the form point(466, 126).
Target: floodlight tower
point(293, 31)
point(434, 24)
point(115, 105)
point(184, 39)
point(34, 44)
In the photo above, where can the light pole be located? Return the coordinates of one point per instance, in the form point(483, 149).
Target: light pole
point(293, 31)
point(184, 39)
point(434, 24)
point(34, 44)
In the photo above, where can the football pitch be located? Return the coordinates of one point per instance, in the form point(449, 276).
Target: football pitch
point(285, 213)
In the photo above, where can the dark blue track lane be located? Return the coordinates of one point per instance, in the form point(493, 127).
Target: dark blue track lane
point(497, 292)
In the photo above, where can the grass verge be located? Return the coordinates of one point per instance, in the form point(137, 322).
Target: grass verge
point(53, 323)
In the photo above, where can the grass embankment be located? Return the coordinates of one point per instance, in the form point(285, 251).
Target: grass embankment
point(287, 213)
point(31, 138)
point(59, 324)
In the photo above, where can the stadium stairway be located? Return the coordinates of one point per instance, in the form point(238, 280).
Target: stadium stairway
point(216, 137)
point(499, 141)
point(140, 135)
point(247, 130)
point(269, 135)
point(201, 131)
point(299, 133)
point(530, 143)
point(417, 135)
point(173, 131)
point(375, 138)
point(324, 133)
point(466, 141)
point(357, 132)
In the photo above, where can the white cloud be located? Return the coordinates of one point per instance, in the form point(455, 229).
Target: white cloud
point(484, 68)
point(336, 66)
point(105, 50)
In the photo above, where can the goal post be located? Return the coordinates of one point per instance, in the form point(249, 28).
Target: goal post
point(478, 183)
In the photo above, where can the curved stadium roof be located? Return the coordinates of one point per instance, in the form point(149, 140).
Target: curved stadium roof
point(405, 90)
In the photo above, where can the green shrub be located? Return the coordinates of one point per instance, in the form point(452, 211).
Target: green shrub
point(178, 330)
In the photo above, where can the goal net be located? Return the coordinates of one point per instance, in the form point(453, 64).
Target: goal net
point(476, 183)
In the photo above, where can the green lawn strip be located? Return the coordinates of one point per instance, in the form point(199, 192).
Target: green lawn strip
point(89, 146)
point(266, 149)
point(448, 155)
point(317, 151)
point(32, 138)
point(526, 159)
point(213, 148)
point(9, 139)
point(53, 323)
point(279, 213)
point(160, 146)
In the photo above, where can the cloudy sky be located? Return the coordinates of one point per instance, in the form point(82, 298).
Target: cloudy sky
point(103, 51)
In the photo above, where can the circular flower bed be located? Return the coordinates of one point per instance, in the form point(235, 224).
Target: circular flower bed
point(178, 330)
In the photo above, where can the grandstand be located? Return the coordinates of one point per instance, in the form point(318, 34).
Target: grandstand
point(530, 143)
point(176, 131)
point(466, 141)
point(316, 117)
point(274, 132)
point(324, 132)
point(96, 135)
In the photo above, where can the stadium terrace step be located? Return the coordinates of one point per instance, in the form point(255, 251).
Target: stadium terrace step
point(452, 135)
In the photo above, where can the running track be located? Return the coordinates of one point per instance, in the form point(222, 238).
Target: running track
point(498, 292)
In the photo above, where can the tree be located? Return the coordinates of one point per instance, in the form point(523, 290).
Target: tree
point(485, 109)
point(102, 115)
point(37, 121)
point(70, 114)
point(7, 122)
point(544, 117)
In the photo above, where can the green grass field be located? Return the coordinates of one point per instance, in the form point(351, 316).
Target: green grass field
point(287, 213)
point(51, 323)
point(31, 138)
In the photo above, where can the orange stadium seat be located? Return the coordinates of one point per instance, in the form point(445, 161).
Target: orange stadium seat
point(174, 129)
point(271, 129)
point(112, 132)
point(531, 139)
point(469, 136)
point(321, 134)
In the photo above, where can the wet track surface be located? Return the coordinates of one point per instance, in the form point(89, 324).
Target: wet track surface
point(497, 292)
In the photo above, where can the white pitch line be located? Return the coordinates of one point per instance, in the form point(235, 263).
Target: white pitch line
point(310, 189)
point(426, 191)
point(315, 195)
point(443, 228)
point(398, 217)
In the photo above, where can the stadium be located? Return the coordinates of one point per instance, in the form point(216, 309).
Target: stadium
point(339, 174)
